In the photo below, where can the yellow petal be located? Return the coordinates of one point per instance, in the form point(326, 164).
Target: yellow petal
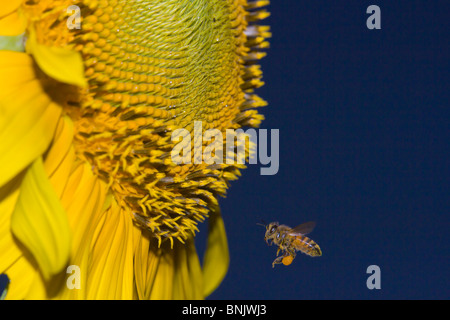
point(161, 271)
point(14, 261)
point(9, 6)
point(187, 280)
point(13, 24)
point(143, 266)
point(61, 145)
point(26, 282)
point(28, 117)
point(216, 259)
point(9, 252)
point(111, 274)
point(83, 197)
point(62, 64)
point(40, 222)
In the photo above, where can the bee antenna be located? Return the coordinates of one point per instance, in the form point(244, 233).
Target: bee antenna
point(262, 224)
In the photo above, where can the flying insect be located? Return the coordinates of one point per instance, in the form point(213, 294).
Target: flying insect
point(290, 240)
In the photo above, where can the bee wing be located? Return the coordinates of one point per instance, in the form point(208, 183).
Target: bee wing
point(303, 228)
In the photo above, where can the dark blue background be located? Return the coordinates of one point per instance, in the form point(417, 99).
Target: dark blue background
point(364, 151)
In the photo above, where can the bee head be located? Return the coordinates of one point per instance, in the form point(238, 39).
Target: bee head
point(271, 228)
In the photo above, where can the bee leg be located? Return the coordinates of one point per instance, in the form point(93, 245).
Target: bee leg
point(278, 251)
point(278, 260)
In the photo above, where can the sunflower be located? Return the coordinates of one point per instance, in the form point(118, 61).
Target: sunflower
point(91, 91)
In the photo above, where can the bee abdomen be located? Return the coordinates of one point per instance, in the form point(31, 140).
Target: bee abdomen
point(308, 246)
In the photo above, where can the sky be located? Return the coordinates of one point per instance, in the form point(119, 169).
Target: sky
point(363, 118)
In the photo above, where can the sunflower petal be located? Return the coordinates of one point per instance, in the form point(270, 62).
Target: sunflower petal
point(60, 149)
point(28, 117)
point(40, 222)
point(161, 271)
point(143, 266)
point(26, 282)
point(187, 280)
point(195, 272)
point(9, 6)
point(18, 265)
point(216, 259)
point(83, 197)
point(62, 64)
point(8, 248)
point(13, 24)
point(111, 276)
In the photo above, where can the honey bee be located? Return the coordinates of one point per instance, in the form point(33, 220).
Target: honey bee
point(290, 240)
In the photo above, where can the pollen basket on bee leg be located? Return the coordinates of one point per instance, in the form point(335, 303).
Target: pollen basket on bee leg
point(287, 260)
